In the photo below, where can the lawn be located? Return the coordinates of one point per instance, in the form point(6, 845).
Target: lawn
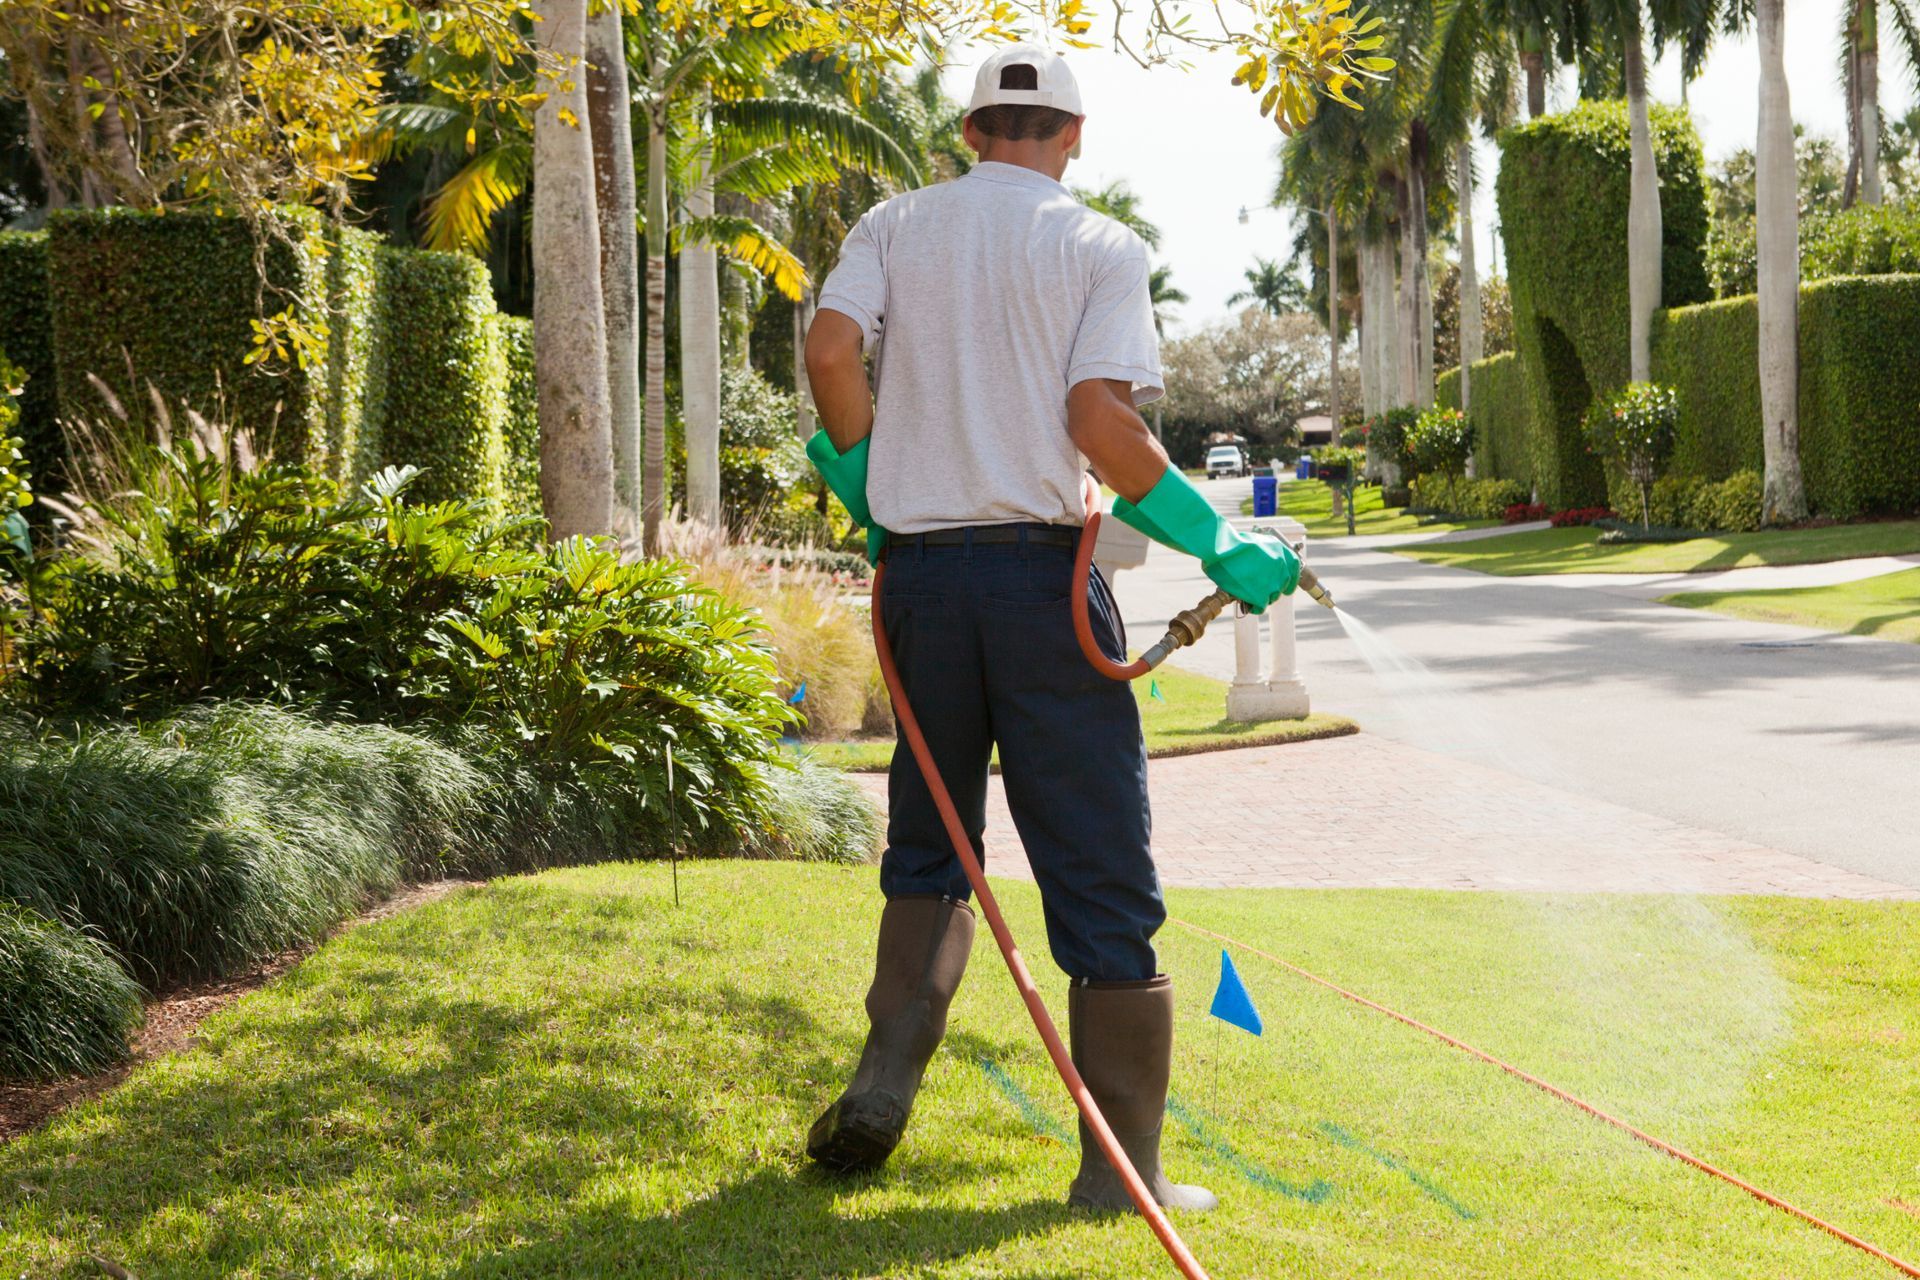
point(566, 1075)
point(1576, 550)
point(1311, 503)
point(1886, 607)
point(1188, 716)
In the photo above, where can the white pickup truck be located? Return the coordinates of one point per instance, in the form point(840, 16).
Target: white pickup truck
point(1226, 460)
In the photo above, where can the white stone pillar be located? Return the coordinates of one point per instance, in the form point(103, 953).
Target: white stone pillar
point(1281, 694)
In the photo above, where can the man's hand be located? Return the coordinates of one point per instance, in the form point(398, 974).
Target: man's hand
point(839, 379)
point(1104, 425)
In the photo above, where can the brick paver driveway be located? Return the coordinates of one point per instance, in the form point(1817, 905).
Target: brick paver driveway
point(1368, 812)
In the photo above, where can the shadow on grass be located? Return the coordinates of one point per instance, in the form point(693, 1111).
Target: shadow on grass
point(771, 1224)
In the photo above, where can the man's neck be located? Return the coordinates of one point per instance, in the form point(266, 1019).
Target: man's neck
point(1047, 161)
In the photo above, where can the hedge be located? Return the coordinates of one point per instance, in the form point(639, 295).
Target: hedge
point(442, 373)
point(521, 430)
point(26, 335)
point(1458, 496)
point(1562, 192)
point(1502, 417)
point(415, 364)
point(1859, 410)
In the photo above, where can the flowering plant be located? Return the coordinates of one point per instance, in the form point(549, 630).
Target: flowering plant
point(1635, 430)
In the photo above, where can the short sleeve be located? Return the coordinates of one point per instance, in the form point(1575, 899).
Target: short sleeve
point(1116, 338)
point(857, 285)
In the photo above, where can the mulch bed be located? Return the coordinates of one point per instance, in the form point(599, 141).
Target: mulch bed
point(173, 1016)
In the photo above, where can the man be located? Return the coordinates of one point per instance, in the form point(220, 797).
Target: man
point(1018, 341)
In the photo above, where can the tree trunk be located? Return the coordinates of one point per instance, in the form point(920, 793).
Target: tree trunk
point(609, 106)
point(1407, 352)
point(1384, 307)
point(1333, 322)
point(1869, 100)
point(1471, 340)
point(1422, 283)
point(1643, 212)
point(1533, 61)
point(1776, 229)
point(700, 346)
point(653, 482)
point(569, 321)
point(802, 388)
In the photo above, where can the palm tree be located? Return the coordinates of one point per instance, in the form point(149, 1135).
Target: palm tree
point(610, 115)
point(569, 322)
point(1121, 203)
point(1271, 286)
point(1776, 228)
point(1861, 65)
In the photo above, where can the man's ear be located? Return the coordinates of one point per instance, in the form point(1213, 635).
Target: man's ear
point(975, 140)
point(1072, 133)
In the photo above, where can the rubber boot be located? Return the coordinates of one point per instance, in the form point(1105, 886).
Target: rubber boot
point(1122, 1036)
point(924, 942)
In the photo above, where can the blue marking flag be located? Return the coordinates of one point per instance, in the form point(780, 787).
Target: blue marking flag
point(799, 695)
point(1231, 1003)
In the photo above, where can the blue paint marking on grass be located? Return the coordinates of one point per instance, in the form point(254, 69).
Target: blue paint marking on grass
point(1313, 1192)
point(1418, 1179)
point(1032, 1112)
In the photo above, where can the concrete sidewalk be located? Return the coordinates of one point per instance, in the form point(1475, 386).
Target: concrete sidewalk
point(1368, 812)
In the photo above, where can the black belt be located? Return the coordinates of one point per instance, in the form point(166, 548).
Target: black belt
point(1043, 535)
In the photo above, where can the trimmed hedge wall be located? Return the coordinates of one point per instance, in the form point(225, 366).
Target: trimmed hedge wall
point(442, 372)
point(1859, 391)
point(26, 336)
point(1562, 194)
point(416, 366)
point(522, 431)
point(1502, 417)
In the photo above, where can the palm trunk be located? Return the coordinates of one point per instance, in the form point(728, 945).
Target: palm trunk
point(1868, 86)
point(700, 347)
point(1643, 212)
point(653, 481)
point(610, 115)
point(1471, 334)
point(569, 320)
point(1422, 283)
point(1333, 322)
point(1407, 326)
point(1776, 228)
point(1386, 342)
point(1533, 61)
point(1369, 395)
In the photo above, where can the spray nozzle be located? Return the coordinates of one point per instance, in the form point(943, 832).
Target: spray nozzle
point(1311, 585)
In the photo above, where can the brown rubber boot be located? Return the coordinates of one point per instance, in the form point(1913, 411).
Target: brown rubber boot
point(1123, 1045)
point(924, 942)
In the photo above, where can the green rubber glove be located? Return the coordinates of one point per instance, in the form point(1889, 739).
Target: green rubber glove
point(846, 475)
point(1255, 571)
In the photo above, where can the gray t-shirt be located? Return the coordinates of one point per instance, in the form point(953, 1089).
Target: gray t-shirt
point(984, 300)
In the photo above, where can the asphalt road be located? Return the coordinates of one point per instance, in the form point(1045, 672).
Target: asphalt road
point(1798, 740)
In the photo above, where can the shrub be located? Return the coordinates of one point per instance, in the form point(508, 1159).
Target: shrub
point(1387, 454)
point(16, 495)
point(210, 580)
point(1441, 442)
point(1523, 512)
point(1633, 431)
point(65, 1006)
point(443, 375)
point(1703, 506)
point(1502, 417)
point(26, 335)
point(1440, 494)
point(1563, 191)
point(1575, 516)
point(1353, 437)
point(520, 432)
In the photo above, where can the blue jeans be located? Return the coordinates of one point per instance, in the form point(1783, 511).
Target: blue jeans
point(983, 635)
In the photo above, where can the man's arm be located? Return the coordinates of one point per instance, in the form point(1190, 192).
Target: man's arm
point(1104, 425)
point(839, 378)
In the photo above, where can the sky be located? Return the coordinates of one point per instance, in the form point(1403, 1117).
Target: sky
point(1193, 148)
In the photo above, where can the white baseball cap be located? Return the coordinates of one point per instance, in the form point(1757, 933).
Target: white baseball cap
point(1056, 85)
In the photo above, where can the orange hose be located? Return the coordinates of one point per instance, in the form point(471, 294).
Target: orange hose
point(1082, 627)
point(963, 847)
point(1658, 1144)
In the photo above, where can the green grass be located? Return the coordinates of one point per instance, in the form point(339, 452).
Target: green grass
point(566, 1075)
point(1577, 551)
point(1886, 607)
point(1311, 503)
point(1189, 716)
